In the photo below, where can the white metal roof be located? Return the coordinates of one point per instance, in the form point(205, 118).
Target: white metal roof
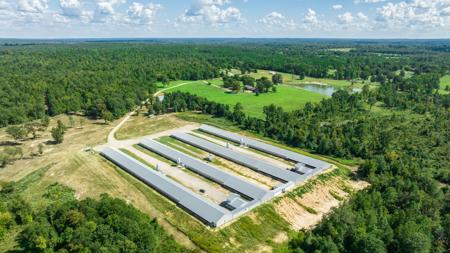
point(224, 178)
point(265, 147)
point(208, 211)
point(243, 159)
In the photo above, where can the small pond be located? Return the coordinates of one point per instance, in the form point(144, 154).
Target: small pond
point(327, 90)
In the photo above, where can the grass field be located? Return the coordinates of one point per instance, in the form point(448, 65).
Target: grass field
point(140, 125)
point(288, 97)
point(342, 50)
point(445, 81)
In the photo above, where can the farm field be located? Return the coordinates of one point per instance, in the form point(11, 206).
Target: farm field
point(288, 97)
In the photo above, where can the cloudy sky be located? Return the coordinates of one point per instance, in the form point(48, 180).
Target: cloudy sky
point(225, 18)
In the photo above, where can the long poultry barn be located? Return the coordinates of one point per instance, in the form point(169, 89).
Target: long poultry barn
point(225, 179)
point(209, 212)
point(313, 164)
point(243, 159)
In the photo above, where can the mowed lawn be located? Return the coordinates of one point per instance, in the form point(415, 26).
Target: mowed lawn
point(445, 81)
point(288, 97)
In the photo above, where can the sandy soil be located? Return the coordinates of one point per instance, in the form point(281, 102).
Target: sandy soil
point(320, 199)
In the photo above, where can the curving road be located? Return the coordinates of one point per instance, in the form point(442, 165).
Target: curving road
point(111, 135)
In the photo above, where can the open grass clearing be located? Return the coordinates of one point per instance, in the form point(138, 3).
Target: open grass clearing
point(444, 83)
point(340, 49)
point(288, 97)
point(142, 125)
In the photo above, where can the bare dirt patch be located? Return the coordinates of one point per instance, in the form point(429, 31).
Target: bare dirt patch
point(306, 211)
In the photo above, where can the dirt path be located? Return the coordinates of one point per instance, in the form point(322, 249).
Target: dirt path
point(169, 88)
point(130, 142)
point(111, 135)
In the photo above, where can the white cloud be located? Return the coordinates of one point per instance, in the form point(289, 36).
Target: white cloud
point(35, 6)
point(415, 14)
point(311, 17)
point(71, 7)
point(337, 6)
point(3, 5)
point(211, 12)
point(346, 18)
point(354, 22)
point(143, 14)
point(362, 17)
point(445, 11)
point(276, 19)
point(107, 6)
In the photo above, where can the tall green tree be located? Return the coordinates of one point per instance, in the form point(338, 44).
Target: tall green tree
point(277, 78)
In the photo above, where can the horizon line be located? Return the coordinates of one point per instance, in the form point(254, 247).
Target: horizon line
point(215, 37)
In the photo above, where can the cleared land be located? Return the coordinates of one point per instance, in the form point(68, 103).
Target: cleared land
point(140, 125)
point(445, 82)
point(288, 97)
point(90, 175)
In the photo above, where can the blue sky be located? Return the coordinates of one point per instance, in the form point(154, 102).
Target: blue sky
point(225, 18)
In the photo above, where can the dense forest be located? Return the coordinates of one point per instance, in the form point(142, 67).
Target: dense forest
point(104, 79)
point(406, 153)
point(69, 225)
